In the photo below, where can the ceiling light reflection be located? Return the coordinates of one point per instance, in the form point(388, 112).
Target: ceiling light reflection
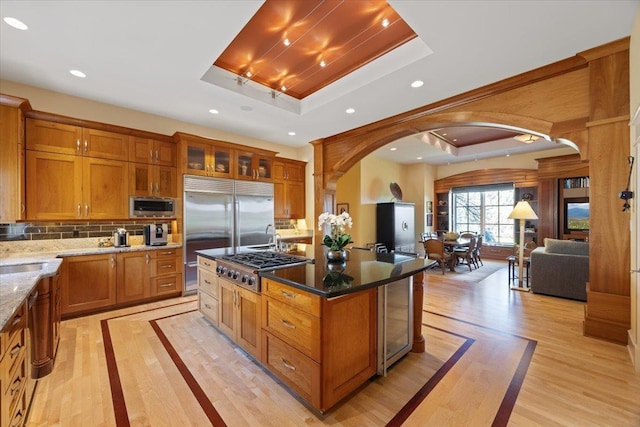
point(78, 73)
point(16, 23)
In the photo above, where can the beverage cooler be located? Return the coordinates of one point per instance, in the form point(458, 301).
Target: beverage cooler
point(395, 226)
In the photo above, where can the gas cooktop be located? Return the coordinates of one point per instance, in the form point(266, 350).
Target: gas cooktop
point(265, 260)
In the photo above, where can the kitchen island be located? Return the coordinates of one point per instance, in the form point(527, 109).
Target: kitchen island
point(314, 326)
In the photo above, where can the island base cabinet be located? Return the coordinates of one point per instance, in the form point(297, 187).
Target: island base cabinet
point(298, 371)
point(303, 334)
point(239, 316)
point(14, 396)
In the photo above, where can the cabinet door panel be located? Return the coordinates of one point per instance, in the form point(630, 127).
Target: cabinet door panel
point(165, 153)
point(226, 304)
point(295, 198)
point(140, 183)
point(105, 189)
point(166, 182)
point(53, 137)
point(88, 282)
point(248, 321)
point(12, 183)
point(105, 145)
point(54, 186)
point(133, 276)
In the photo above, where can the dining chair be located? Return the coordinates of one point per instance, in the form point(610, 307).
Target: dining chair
point(428, 235)
point(467, 253)
point(476, 253)
point(434, 249)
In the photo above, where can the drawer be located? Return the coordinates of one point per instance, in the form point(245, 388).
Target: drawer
point(163, 266)
point(19, 412)
point(15, 353)
point(295, 327)
point(17, 322)
point(166, 253)
point(209, 307)
point(208, 282)
point(302, 300)
point(15, 387)
point(207, 263)
point(295, 369)
point(166, 284)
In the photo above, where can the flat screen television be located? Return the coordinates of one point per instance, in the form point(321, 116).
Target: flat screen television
point(576, 214)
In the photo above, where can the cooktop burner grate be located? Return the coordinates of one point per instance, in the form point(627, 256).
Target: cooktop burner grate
point(264, 260)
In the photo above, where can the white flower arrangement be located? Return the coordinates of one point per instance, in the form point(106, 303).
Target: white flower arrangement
point(338, 238)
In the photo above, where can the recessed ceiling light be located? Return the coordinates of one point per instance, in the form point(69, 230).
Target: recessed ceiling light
point(385, 22)
point(292, 134)
point(78, 73)
point(418, 158)
point(214, 111)
point(283, 88)
point(350, 111)
point(286, 42)
point(392, 149)
point(417, 83)
point(248, 74)
point(323, 64)
point(16, 23)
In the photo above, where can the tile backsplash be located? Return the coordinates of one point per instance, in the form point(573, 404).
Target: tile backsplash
point(69, 230)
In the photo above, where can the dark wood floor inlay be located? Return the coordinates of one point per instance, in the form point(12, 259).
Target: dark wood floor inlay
point(200, 395)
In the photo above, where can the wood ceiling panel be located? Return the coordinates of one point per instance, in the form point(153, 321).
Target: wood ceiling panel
point(344, 34)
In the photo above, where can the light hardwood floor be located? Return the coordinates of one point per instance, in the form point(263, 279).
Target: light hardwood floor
point(493, 357)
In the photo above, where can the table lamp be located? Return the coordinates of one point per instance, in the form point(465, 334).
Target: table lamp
point(522, 211)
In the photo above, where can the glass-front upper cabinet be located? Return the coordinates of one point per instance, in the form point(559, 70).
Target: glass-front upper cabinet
point(208, 159)
point(253, 166)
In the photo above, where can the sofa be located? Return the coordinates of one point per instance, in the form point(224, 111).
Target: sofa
point(560, 268)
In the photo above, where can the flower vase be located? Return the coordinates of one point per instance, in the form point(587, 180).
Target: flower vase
point(336, 256)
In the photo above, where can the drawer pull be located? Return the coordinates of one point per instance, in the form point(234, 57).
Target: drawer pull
point(15, 350)
point(287, 364)
point(167, 266)
point(207, 282)
point(289, 295)
point(166, 285)
point(17, 419)
point(287, 324)
point(16, 320)
point(16, 386)
point(166, 253)
point(207, 306)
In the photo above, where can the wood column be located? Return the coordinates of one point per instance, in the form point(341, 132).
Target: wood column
point(418, 295)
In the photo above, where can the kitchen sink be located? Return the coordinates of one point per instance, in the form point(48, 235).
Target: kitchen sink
point(22, 268)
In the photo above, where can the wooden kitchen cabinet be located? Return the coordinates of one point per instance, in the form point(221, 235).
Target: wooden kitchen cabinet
point(88, 283)
point(206, 157)
point(208, 289)
point(289, 189)
point(12, 162)
point(53, 137)
point(61, 186)
point(239, 316)
point(152, 180)
point(45, 326)
point(132, 282)
point(14, 370)
point(322, 348)
point(153, 152)
point(254, 166)
point(166, 272)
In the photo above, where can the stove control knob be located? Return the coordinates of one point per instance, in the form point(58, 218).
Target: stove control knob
point(219, 269)
point(235, 275)
point(223, 270)
point(230, 273)
point(245, 278)
point(252, 281)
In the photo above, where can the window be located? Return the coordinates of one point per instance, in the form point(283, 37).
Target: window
point(484, 209)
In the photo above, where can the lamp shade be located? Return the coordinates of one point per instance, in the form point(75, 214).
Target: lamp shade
point(523, 210)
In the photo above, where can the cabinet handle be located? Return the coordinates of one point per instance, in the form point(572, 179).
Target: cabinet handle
point(15, 350)
point(113, 262)
point(287, 364)
point(16, 386)
point(78, 145)
point(166, 285)
point(287, 324)
point(79, 209)
point(207, 306)
point(157, 188)
point(289, 295)
point(171, 252)
point(147, 257)
point(151, 188)
point(205, 263)
point(167, 266)
point(207, 282)
point(151, 154)
point(16, 320)
point(86, 146)
point(17, 420)
point(22, 208)
point(86, 210)
point(157, 156)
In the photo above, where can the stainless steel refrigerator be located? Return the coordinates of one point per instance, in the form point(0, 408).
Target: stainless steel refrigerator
point(225, 215)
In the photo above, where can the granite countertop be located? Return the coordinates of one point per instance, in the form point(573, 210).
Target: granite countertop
point(362, 270)
point(16, 287)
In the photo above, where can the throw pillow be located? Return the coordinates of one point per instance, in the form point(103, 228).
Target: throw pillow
point(570, 247)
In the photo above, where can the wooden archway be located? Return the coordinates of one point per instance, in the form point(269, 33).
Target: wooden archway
point(580, 99)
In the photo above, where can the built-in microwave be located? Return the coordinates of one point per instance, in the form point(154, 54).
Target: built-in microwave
point(151, 207)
